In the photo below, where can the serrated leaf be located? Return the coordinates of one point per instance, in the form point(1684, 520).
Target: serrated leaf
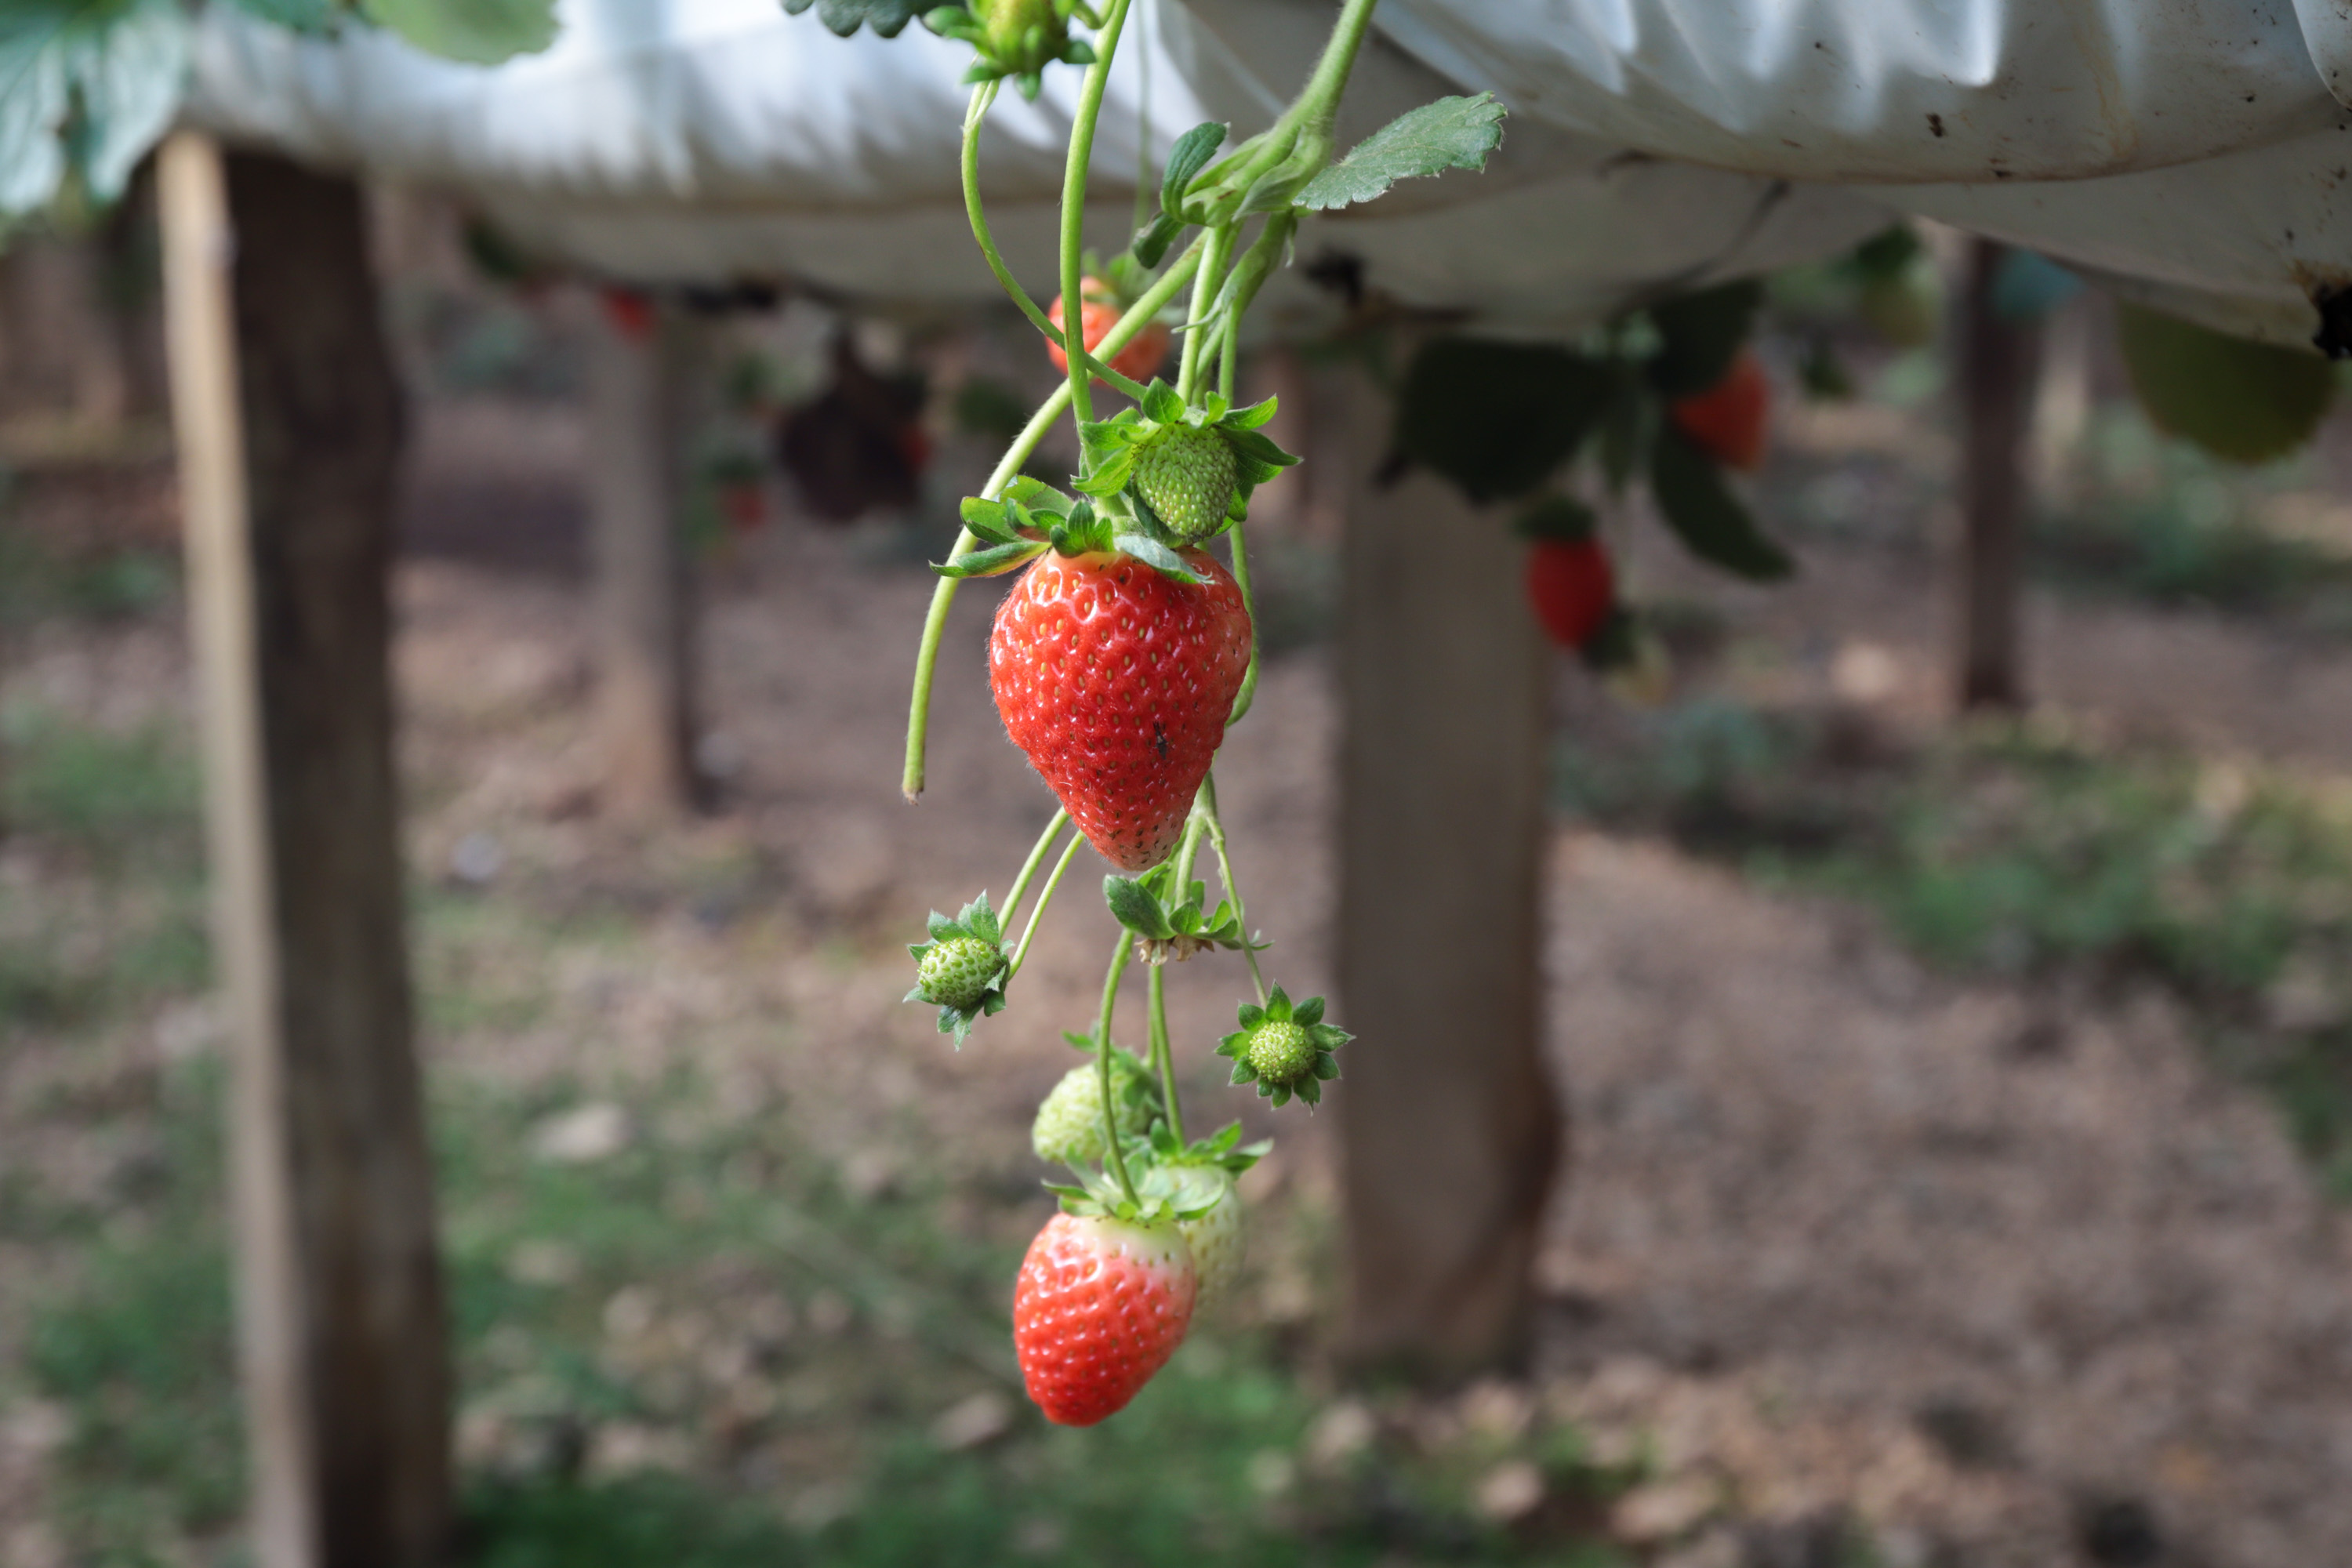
point(1496, 418)
point(477, 32)
point(1700, 334)
point(2242, 401)
point(1706, 516)
point(1451, 133)
point(1038, 495)
point(1157, 556)
point(1187, 158)
point(886, 17)
point(994, 561)
point(1134, 906)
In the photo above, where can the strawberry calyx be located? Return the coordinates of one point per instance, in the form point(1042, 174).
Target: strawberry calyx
point(1285, 1049)
point(1158, 1198)
point(1170, 926)
point(1015, 38)
point(1033, 517)
point(1122, 451)
point(961, 970)
point(1222, 1149)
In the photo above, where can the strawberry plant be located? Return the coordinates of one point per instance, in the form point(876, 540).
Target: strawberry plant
point(1125, 648)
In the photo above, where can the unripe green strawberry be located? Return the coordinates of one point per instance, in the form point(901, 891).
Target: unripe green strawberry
point(1216, 1237)
point(1006, 24)
point(956, 973)
point(1069, 1126)
point(1188, 475)
point(1282, 1053)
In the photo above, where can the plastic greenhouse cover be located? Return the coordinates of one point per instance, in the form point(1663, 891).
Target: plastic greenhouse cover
point(2188, 152)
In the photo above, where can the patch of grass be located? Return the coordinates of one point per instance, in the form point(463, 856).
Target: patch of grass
point(97, 791)
point(883, 1310)
point(2012, 850)
point(39, 582)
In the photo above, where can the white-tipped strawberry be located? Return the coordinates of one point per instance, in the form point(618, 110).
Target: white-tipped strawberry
point(1217, 1237)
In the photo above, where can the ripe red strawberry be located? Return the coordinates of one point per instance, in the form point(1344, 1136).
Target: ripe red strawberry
point(1726, 420)
point(1098, 312)
point(1115, 680)
point(1100, 1306)
point(1573, 587)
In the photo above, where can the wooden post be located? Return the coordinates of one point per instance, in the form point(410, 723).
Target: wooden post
point(641, 387)
point(287, 419)
point(2000, 359)
point(1448, 1119)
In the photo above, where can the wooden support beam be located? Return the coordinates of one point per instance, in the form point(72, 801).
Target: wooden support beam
point(289, 426)
point(643, 395)
point(2000, 365)
point(1449, 1122)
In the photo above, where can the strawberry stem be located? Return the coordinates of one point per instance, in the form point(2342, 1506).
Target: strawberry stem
point(1029, 867)
point(1232, 889)
point(1248, 693)
point(1118, 957)
point(1163, 1056)
point(1074, 198)
point(1044, 899)
point(1204, 293)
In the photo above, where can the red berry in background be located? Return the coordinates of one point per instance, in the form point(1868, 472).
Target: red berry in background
point(1115, 681)
point(631, 311)
point(1573, 587)
point(1098, 312)
point(1726, 420)
point(1100, 1306)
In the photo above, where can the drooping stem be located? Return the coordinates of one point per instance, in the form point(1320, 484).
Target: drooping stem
point(1045, 901)
point(1163, 1056)
point(1074, 195)
point(981, 97)
point(1102, 1061)
point(927, 653)
point(1232, 889)
point(1029, 867)
point(1248, 693)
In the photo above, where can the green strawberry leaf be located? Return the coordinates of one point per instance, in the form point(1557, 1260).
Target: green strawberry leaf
point(1157, 556)
point(1556, 518)
point(1137, 908)
point(1494, 417)
point(1307, 1014)
point(2242, 401)
point(314, 16)
point(1152, 241)
point(1038, 496)
point(1251, 418)
point(1707, 517)
point(85, 86)
point(1161, 404)
point(888, 18)
point(992, 561)
point(980, 920)
point(478, 32)
point(1451, 133)
point(1700, 334)
point(1186, 158)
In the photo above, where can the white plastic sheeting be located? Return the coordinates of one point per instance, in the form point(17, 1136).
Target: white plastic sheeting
point(2190, 148)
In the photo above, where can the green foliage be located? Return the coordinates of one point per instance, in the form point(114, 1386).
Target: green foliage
point(1496, 418)
point(1451, 133)
point(1704, 513)
point(477, 32)
point(2244, 401)
point(86, 86)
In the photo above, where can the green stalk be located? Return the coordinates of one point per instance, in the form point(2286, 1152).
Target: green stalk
point(981, 97)
point(1163, 1056)
point(1204, 293)
point(1102, 1062)
point(935, 624)
point(1029, 867)
point(1044, 902)
point(1248, 693)
point(1232, 889)
point(1074, 194)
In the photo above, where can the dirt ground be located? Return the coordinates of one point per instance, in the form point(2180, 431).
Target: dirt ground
point(2006, 1273)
